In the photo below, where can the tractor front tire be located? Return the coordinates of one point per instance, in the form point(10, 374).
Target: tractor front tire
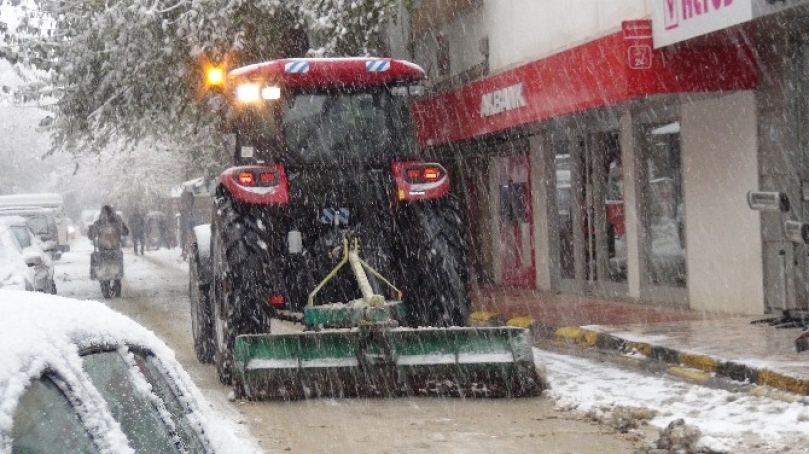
point(239, 284)
point(201, 313)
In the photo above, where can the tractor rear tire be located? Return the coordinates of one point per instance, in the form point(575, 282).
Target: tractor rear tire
point(435, 273)
point(201, 314)
point(239, 289)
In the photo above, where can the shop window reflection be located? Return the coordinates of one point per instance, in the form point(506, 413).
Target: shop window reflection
point(565, 219)
point(664, 216)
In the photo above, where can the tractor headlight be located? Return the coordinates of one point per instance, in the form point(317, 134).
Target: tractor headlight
point(252, 92)
point(248, 93)
point(271, 93)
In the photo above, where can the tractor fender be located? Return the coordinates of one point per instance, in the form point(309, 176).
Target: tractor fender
point(202, 246)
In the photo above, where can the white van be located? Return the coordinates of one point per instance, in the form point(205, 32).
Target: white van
point(50, 200)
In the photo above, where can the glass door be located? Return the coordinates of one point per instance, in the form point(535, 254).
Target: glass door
point(590, 210)
point(515, 221)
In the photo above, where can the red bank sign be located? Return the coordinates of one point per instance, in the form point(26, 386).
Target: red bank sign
point(678, 20)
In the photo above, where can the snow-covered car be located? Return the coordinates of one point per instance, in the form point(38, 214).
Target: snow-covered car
point(43, 222)
point(15, 273)
point(35, 253)
point(78, 377)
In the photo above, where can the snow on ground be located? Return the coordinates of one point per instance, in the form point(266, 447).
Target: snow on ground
point(730, 422)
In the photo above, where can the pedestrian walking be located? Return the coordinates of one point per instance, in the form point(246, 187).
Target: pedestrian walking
point(137, 227)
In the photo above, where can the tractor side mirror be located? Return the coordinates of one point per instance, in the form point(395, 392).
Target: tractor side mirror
point(768, 201)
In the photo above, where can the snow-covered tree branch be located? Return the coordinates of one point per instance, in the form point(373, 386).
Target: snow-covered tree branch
point(127, 70)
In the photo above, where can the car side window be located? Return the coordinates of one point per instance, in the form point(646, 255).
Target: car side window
point(45, 422)
point(128, 404)
point(188, 430)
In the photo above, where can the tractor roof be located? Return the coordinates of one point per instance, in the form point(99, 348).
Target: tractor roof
point(329, 72)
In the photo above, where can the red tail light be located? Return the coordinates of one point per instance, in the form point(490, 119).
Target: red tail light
point(262, 184)
point(277, 300)
point(423, 173)
point(246, 178)
point(256, 177)
point(420, 180)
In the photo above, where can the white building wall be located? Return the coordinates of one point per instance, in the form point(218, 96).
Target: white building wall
point(398, 35)
point(521, 31)
point(465, 33)
point(723, 236)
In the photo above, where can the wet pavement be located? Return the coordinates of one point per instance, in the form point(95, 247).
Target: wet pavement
point(714, 345)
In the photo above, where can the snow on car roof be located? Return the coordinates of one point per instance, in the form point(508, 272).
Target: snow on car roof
point(13, 219)
point(26, 210)
point(40, 332)
point(46, 198)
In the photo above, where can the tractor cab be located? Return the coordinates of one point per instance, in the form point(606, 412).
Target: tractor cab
point(306, 112)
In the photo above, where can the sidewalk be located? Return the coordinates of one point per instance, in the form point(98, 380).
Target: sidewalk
point(698, 346)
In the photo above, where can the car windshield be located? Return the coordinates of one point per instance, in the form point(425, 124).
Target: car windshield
point(179, 410)
point(44, 418)
point(140, 420)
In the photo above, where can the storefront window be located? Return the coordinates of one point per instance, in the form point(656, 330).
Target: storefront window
point(664, 214)
point(565, 212)
point(611, 176)
point(590, 208)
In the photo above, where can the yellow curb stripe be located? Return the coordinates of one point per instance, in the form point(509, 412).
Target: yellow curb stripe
point(763, 391)
point(482, 316)
point(576, 335)
point(699, 362)
point(522, 322)
point(783, 382)
point(692, 375)
point(590, 338)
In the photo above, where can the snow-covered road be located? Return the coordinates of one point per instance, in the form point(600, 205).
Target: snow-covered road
point(155, 294)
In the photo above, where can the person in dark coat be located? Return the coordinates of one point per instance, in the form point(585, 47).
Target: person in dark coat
point(108, 221)
point(137, 226)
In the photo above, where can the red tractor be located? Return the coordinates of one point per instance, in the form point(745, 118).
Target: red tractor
point(325, 151)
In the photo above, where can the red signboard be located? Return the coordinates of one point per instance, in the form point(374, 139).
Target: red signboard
point(638, 38)
point(606, 71)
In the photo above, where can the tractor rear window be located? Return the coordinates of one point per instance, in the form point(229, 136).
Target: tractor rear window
point(347, 127)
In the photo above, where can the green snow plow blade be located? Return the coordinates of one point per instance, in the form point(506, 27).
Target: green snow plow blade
point(373, 362)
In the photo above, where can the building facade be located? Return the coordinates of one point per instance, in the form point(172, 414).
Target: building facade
point(607, 147)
